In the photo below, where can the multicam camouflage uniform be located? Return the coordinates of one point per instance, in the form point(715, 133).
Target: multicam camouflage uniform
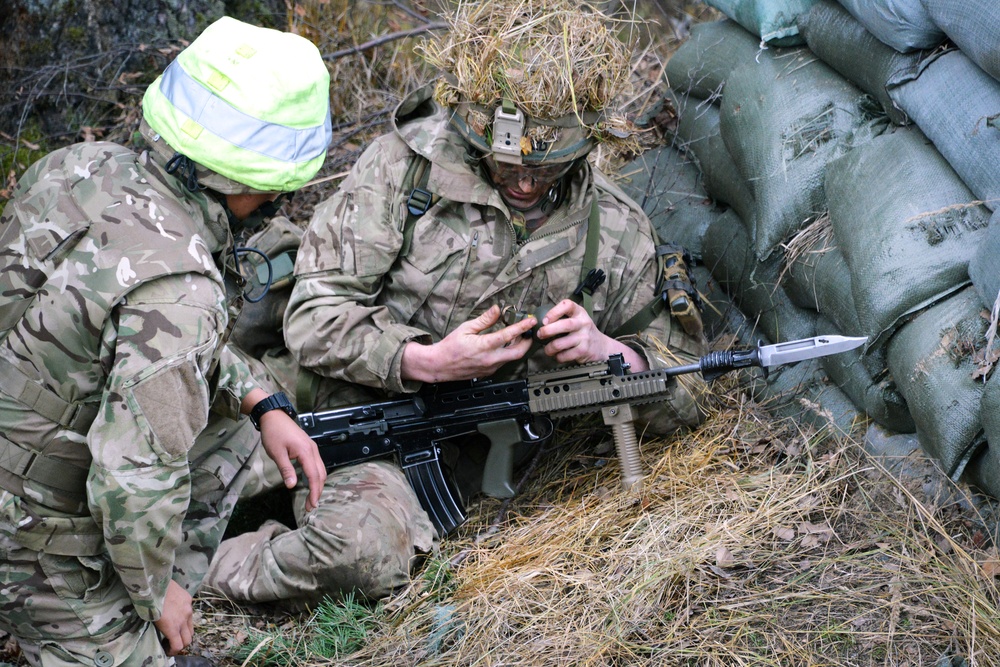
point(106, 380)
point(358, 300)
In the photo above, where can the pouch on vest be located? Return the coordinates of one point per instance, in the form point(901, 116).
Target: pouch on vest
point(259, 327)
point(678, 287)
point(33, 245)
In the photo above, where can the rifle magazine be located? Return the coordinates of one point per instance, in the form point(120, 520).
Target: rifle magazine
point(437, 496)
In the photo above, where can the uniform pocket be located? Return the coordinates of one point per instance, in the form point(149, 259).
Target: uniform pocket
point(78, 580)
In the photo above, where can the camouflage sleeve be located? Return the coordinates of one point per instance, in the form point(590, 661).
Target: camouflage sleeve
point(155, 402)
point(334, 325)
point(235, 382)
point(663, 342)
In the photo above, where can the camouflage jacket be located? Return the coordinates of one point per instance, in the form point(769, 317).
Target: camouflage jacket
point(129, 329)
point(358, 299)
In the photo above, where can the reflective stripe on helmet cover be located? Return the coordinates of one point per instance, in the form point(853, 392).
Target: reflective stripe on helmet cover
point(240, 129)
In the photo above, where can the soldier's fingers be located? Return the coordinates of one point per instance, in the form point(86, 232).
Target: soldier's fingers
point(285, 467)
point(315, 471)
point(187, 632)
point(513, 333)
point(484, 321)
point(565, 308)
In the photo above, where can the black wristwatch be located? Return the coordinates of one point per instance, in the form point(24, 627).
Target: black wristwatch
point(276, 401)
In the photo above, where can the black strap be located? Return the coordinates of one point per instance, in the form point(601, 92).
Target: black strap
point(420, 199)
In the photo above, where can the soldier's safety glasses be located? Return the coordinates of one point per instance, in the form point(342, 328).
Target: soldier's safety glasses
point(505, 174)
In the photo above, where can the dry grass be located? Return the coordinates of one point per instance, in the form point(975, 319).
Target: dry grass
point(755, 542)
point(550, 58)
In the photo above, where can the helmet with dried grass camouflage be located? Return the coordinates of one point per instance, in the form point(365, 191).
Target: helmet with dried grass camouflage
point(249, 106)
point(533, 81)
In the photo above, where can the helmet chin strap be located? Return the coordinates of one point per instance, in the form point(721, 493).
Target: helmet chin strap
point(253, 221)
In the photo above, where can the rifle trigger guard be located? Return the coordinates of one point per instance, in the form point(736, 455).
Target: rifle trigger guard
point(534, 437)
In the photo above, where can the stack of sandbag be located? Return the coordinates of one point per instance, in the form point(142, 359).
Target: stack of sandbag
point(854, 153)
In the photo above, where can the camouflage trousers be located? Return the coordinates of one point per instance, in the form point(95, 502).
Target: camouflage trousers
point(367, 536)
point(72, 609)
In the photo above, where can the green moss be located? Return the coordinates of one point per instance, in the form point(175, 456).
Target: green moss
point(18, 158)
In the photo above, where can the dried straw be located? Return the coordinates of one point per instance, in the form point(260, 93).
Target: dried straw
point(551, 58)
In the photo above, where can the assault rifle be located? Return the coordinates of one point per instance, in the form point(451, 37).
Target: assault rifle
point(511, 412)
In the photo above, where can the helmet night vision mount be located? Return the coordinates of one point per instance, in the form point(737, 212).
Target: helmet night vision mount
point(508, 131)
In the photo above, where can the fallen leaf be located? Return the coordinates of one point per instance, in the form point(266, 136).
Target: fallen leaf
point(784, 533)
point(991, 568)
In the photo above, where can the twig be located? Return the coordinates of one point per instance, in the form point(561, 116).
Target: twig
point(402, 34)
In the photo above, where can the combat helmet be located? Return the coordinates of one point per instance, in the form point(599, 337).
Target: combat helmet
point(533, 82)
point(243, 109)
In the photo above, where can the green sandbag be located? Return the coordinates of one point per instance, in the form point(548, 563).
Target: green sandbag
point(771, 20)
point(983, 469)
point(904, 222)
point(931, 358)
point(956, 104)
point(803, 392)
point(700, 66)
point(818, 279)
point(974, 25)
point(905, 25)
point(719, 314)
point(845, 45)
point(752, 284)
point(984, 267)
point(668, 188)
point(698, 135)
point(783, 119)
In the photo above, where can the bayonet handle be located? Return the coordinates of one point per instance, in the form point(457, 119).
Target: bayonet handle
point(714, 364)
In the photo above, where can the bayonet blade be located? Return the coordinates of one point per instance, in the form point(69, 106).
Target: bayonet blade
point(807, 348)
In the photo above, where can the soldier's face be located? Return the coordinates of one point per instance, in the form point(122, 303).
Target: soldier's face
point(245, 204)
point(523, 186)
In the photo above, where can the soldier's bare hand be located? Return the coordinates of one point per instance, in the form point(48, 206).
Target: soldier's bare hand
point(285, 442)
point(468, 352)
point(571, 337)
point(176, 624)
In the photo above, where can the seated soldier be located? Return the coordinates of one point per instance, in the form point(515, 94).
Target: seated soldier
point(387, 299)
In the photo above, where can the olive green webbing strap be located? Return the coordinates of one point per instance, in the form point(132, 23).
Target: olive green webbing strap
point(28, 464)
point(73, 415)
point(419, 200)
point(306, 389)
point(590, 255)
point(640, 320)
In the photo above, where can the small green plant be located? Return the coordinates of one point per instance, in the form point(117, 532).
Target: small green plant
point(336, 629)
point(439, 579)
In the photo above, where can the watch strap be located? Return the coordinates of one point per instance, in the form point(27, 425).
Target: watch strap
point(277, 401)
